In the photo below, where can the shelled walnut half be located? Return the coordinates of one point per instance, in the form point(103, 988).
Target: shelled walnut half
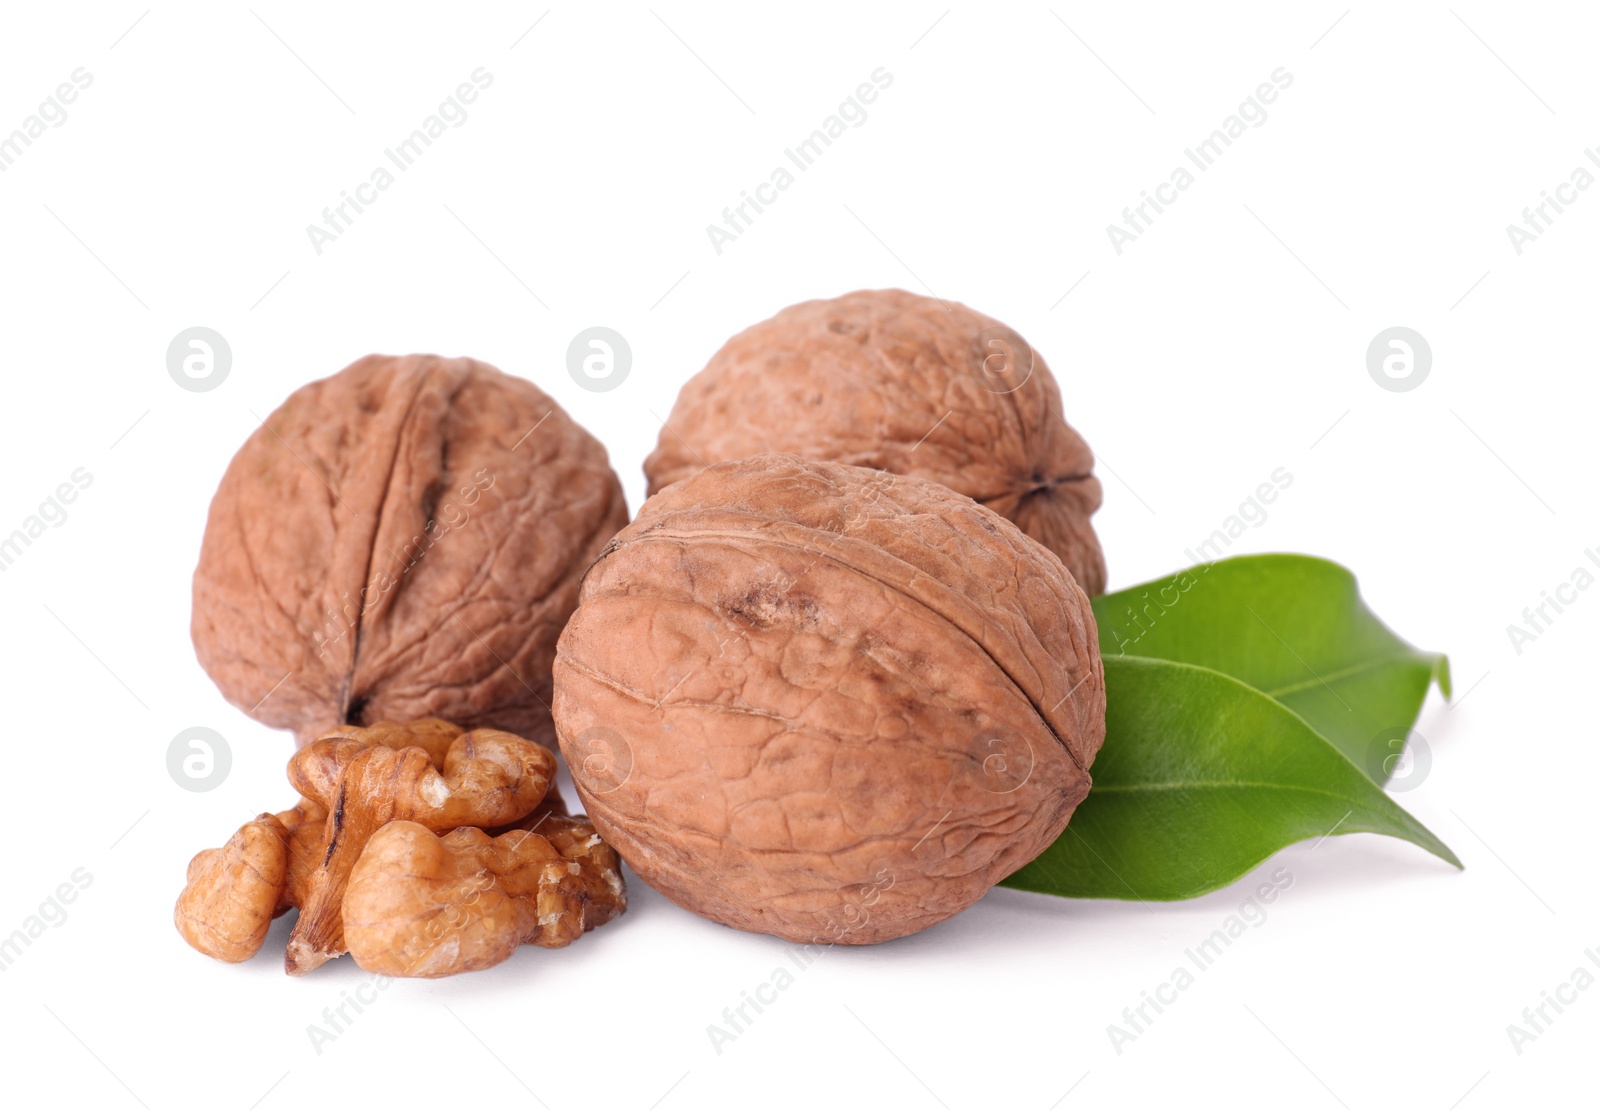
point(423, 905)
point(536, 875)
point(234, 892)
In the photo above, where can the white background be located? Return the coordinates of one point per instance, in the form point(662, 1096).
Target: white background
point(1227, 341)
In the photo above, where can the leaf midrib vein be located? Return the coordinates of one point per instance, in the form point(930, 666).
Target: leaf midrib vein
point(1337, 675)
point(1158, 787)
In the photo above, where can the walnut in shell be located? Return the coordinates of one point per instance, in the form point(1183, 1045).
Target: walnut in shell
point(903, 383)
point(403, 539)
point(826, 702)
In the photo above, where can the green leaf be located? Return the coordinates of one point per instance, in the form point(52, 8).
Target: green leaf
point(1200, 779)
point(1295, 628)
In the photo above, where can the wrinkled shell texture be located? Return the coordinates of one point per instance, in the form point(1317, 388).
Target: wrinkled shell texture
point(403, 539)
point(825, 702)
point(902, 383)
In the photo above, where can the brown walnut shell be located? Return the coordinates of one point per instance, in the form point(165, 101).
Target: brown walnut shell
point(826, 702)
point(403, 539)
point(903, 383)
